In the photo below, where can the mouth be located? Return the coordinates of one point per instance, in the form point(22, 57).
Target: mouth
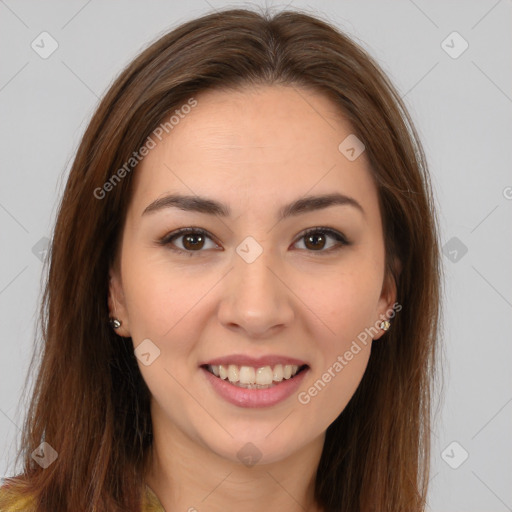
point(250, 377)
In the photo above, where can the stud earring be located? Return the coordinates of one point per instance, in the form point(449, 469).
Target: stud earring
point(115, 323)
point(385, 325)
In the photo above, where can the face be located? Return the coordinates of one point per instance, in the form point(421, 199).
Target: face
point(249, 282)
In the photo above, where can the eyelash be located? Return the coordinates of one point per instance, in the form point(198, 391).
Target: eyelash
point(168, 239)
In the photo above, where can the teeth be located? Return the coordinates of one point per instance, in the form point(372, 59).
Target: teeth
point(278, 373)
point(233, 373)
point(247, 375)
point(264, 375)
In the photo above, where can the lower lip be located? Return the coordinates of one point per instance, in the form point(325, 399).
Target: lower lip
point(243, 397)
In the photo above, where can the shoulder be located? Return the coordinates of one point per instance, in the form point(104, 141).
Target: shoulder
point(13, 501)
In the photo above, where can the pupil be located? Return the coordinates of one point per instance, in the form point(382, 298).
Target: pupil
point(192, 245)
point(315, 238)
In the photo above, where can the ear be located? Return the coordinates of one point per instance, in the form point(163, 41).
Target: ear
point(387, 305)
point(116, 302)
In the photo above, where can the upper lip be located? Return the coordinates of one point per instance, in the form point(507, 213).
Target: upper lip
point(256, 362)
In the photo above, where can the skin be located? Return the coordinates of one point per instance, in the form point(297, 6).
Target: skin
point(254, 150)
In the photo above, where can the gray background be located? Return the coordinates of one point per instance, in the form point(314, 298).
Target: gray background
point(461, 106)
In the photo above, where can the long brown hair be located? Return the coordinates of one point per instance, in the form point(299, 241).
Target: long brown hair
point(90, 402)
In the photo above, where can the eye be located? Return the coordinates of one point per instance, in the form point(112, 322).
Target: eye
point(193, 240)
point(315, 239)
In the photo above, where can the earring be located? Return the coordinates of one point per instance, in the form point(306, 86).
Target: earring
point(115, 323)
point(385, 325)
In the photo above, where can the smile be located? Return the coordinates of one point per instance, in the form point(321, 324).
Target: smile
point(250, 377)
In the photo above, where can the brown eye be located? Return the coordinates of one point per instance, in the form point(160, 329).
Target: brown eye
point(193, 241)
point(315, 240)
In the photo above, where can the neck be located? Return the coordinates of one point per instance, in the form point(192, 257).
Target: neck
point(186, 475)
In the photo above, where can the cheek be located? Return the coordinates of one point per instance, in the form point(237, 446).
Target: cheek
point(148, 301)
point(164, 305)
point(346, 304)
point(343, 348)
point(157, 295)
point(348, 370)
point(331, 387)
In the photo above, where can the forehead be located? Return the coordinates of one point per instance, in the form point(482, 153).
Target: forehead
point(267, 145)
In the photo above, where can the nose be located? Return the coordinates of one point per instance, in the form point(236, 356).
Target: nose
point(256, 297)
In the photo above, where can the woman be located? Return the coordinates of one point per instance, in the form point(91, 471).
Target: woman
point(242, 305)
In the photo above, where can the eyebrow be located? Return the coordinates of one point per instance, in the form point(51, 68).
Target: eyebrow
point(211, 207)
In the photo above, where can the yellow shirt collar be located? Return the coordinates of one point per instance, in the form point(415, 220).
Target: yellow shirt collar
point(151, 502)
